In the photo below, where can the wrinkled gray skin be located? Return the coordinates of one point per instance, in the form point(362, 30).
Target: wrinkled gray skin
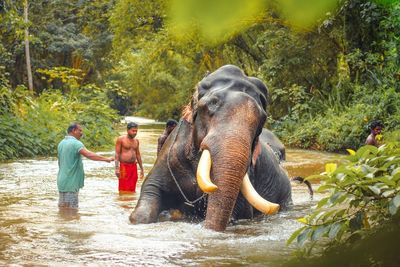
point(226, 116)
point(271, 140)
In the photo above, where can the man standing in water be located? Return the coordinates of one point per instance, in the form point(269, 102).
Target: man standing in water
point(127, 155)
point(171, 124)
point(376, 129)
point(71, 175)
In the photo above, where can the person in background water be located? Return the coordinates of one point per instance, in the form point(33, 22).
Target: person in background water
point(71, 175)
point(375, 129)
point(169, 127)
point(127, 155)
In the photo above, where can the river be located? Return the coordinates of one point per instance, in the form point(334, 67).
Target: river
point(34, 233)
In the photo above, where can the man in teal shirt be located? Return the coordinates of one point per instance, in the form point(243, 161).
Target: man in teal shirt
point(71, 175)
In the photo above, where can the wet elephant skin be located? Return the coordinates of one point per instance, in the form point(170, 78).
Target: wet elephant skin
point(226, 117)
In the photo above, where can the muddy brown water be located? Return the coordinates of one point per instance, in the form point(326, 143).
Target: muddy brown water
point(34, 233)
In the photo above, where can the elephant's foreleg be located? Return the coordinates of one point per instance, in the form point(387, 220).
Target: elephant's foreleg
point(146, 211)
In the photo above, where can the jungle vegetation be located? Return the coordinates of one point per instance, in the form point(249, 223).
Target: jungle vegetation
point(328, 78)
point(331, 67)
point(358, 220)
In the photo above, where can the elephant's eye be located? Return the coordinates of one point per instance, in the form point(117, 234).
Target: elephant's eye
point(213, 105)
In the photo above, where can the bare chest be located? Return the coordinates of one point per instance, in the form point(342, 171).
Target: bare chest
point(129, 144)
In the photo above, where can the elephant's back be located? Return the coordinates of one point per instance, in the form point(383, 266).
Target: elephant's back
point(271, 140)
point(271, 180)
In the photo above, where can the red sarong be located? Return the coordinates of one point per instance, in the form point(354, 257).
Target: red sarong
point(128, 177)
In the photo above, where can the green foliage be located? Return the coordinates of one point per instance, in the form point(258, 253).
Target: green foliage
point(363, 85)
point(141, 22)
point(326, 82)
point(362, 193)
point(347, 127)
point(377, 248)
point(60, 76)
point(31, 126)
point(69, 33)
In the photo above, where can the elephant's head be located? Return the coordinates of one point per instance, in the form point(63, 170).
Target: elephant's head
point(227, 114)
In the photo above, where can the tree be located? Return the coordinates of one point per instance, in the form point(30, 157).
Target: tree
point(27, 52)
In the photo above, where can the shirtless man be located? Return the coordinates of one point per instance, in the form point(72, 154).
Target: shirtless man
point(127, 155)
point(169, 127)
point(375, 129)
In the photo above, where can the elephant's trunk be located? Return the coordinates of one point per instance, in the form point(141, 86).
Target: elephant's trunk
point(229, 167)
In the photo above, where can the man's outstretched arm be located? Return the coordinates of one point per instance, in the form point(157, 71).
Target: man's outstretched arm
point(93, 156)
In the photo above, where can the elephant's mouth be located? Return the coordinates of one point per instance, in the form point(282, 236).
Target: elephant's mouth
point(247, 189)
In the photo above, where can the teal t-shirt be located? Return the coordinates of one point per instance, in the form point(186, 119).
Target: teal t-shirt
point(70, 176)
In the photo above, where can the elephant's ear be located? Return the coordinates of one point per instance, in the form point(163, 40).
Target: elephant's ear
point(190, 110)
point(262, 89)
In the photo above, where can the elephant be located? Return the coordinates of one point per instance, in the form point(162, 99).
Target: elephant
point(273, 141)
point(214, 165)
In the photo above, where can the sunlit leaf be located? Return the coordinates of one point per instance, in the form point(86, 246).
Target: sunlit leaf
point(363, 151)
point(392, 208)
point(396, 201)
point(396, 177)
point(335, 196)
point(303, 236)
point(386, 180)
point(334, 230)
point(330, 167)
point(322, 188)
point(340, 213)
point(351, 151)
point(328, 215)
point(302, 220)
point(323, 202)
point(388, 193)
point(369, 175)
point(395, 171)
point(319, 232)
point(375, 189)
point(294, 235)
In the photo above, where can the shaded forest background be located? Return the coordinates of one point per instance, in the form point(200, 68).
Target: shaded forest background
point(93, 61)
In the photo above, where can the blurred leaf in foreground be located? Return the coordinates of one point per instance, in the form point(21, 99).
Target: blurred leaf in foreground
point(215, 21)
point(304, 14)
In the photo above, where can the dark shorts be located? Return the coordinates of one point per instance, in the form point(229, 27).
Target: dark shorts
point(68, 200)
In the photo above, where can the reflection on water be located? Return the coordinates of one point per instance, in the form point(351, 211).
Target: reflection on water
point(68, 214)
point(33, 231)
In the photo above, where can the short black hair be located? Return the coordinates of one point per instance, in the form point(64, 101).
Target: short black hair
point(131, 125)
point(375, 124)
point(171, 123)
point(72, 127)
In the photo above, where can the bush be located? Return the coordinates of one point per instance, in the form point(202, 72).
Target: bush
point(363, 193)
point(31, 126)
point(336, 130)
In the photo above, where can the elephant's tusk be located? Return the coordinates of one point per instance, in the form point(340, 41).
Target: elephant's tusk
point(255, 199)
point(203, 173)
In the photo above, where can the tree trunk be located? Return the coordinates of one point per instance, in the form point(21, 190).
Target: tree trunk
point(27, 53)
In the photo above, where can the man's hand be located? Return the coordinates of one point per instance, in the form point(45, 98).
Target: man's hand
point(117, 173)
point(141, 174)
point(110, 159)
